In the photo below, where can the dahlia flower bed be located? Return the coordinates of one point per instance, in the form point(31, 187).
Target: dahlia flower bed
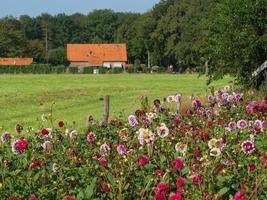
point(212, 151)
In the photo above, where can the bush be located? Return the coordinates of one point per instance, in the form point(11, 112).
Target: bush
point(132, 70)
point(88, 70)
point(117, 70)
point(73, 70)
point(103, 70)
point(155, 68)
point(59, 69)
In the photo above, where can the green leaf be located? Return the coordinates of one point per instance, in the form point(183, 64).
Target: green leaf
point(223, 191)
point(89, 191)
point(185, 171)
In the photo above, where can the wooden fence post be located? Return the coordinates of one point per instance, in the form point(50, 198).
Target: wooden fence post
point(106, 109)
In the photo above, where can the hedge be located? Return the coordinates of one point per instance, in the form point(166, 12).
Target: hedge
point(73, 70)
point(88, 70)
point(32, 69)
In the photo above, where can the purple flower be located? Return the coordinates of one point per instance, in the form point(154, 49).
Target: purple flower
point(258, 124)
point(196, 104)
point(47, 145)
point(242, 124)
point(238, 96)
point(90, 137)
point(5, 137)
point(178, 98)
point(90, 120)
point(211, 99)
point(132, 121)
point(248, 146)
point(231, 126)
point(121, 149)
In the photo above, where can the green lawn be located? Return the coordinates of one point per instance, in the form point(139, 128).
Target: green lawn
point(24, 98)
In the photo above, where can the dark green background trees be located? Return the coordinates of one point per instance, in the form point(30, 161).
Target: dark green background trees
point(228, 37)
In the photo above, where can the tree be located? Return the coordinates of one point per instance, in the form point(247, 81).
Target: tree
point(57, 56)
point(236, 39)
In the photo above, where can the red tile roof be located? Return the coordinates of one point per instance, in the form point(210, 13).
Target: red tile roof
point(96, 53)
point(16, 61)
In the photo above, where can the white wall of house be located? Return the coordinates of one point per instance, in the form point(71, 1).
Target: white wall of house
point(113, 64)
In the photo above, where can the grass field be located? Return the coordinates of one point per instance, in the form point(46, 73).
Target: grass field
point(24, 98)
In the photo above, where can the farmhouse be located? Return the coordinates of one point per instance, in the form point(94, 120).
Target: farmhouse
point(97, 55)
point(16, 61)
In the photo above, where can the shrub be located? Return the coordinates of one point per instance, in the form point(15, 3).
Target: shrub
point(155, 68)
point(117, 70)
point(103, 70)
point(88, 70)
point(73, 70)
point(132, 70)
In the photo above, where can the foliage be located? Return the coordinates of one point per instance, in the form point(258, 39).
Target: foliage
point(73, 70)
point(236, 39)
point(57, 56)
point(205, 151)
point(88, 70)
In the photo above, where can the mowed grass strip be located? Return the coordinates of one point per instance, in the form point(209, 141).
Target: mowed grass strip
point(24, 98)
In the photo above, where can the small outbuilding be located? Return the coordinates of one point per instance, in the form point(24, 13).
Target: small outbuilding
point(16, 61)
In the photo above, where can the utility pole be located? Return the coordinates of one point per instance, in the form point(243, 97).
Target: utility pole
point(46, 43)
point(148, 59)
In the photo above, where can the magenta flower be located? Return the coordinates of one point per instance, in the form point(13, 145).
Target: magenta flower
point(180, 182)
point(163, 188)
point(132, 120)
point(143, 160)
point(196, 179)
point(248, 146)
point(241, 124)
point(178, 164)
point(240, 196)
point(33, 198)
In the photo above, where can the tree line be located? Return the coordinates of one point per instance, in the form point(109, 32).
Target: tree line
point(217, 37)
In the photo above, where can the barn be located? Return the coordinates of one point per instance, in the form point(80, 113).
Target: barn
point(97, 55)
point(16, 61)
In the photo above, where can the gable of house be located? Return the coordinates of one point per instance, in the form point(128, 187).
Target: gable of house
point(96, 54)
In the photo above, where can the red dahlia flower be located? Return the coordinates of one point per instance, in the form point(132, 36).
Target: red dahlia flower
point(158, 173)
point(160, 196)
point(33, 198)
point(240, 196)
point(61, 124)
point(178, 164)
point(180, 182)
point(176, 197)
point(106, 187)
point(143, 160)
point(13, 198)
point(163, 188)
point(69, 198)
point(19, 146)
